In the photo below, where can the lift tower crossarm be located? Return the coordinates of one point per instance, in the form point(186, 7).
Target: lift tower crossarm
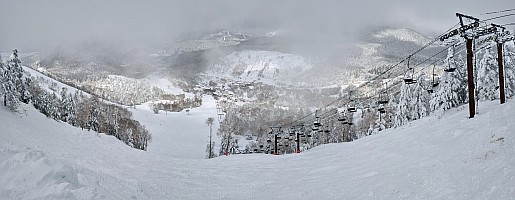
point(461, 16)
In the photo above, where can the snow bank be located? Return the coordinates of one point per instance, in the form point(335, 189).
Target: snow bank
point(32, 170)
point(449, 158)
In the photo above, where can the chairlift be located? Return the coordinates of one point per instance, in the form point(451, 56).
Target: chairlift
point(381, 110)
point(408, 75)
point(434, 83)
point(269, 140)
point(383, 96)
point(342, 117)
point(317, 121)
point(351, 107)
point(449, 67)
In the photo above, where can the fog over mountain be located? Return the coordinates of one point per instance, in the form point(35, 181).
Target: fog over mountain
point(314, 26)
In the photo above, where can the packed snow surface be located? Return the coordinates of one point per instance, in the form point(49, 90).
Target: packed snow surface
point(449, 158)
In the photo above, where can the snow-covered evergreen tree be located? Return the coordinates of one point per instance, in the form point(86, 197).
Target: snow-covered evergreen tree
point(509, 69)
point(488, 77)
point(12, 82)
point(420, 98)
point(452, 90)
point(404, 110)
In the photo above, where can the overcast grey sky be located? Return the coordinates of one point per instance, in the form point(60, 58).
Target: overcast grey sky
point(33, 24)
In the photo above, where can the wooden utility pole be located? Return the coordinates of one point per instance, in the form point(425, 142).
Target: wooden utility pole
point(470, 77)
point(276, 130)
point(501, 72)
point(275, 145)
point(298, 142)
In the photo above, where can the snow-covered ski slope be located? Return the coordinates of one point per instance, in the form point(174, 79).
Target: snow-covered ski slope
point(449, 158)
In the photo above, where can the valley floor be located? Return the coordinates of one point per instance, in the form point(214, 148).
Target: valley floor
point(449, 158)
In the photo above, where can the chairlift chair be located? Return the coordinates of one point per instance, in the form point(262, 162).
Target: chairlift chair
point(408, 75)
point(317, 122)
point(383, 96)
point(351, 107)
point(434, 83)
point(342, 117)
point(381, 110)
point(449, 67)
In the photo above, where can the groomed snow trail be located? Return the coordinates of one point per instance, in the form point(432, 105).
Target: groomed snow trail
point(449, 158)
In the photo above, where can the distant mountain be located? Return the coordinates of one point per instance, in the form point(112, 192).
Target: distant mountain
point(266, 57)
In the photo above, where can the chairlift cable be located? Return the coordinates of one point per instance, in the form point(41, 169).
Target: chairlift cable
point(498, 17)
point(495, 12)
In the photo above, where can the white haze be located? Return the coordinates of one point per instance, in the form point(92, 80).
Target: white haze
point(34, 25)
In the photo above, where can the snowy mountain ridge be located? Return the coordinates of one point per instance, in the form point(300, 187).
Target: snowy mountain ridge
point(251, 66)
point(403, 34)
